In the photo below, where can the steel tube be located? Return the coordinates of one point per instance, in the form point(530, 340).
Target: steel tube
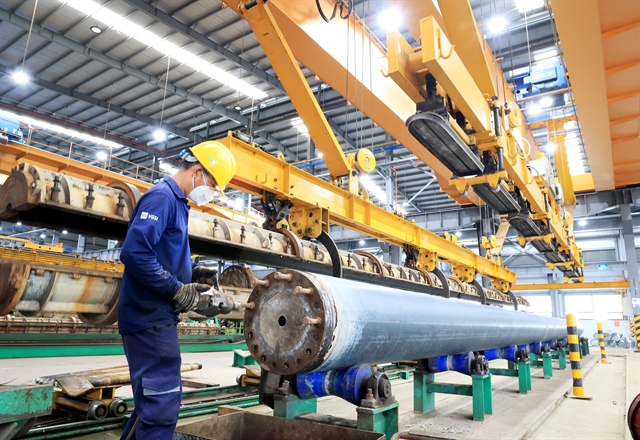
point(370, 324)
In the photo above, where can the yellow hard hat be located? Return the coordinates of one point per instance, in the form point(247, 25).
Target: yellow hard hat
point(217, 160)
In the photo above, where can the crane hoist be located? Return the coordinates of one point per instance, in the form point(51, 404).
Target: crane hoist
point(480, 139)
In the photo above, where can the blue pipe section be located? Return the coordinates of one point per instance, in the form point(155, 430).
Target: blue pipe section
point(375, 150)
point(457, 362)
point(349, 384)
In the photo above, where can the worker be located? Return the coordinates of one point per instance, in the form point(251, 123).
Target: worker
point(159, 282)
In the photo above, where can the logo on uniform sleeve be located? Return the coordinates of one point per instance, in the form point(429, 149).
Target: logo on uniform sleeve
point(146, 215)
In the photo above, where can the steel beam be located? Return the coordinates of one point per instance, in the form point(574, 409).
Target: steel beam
point(303, 322)
point(594, 285)
point(579, 30)
point(150, 79)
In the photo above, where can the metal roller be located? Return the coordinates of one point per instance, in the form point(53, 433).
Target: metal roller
point(304, 322)
point(44, 198)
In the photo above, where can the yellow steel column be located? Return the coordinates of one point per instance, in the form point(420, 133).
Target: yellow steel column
point(603, 352)
point(574, 355)
point(284, 63)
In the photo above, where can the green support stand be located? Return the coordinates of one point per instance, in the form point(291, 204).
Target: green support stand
point(290, 406)
point(242, 358)
point(584, 347)
point(383, 420)
point(425, 389)
point(20, 405)
point(523, 372)
point(562, 359)
point(547, 367)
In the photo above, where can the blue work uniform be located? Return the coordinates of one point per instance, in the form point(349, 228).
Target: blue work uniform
point(157, 262)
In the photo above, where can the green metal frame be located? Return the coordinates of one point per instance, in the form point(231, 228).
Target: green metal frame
point(20, 404)
point(291, 406)
point(242, 358)
point(41, 345)
point(425, 389)
point(523, 372)
point(383, 420)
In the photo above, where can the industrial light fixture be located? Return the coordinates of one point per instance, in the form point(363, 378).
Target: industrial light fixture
point(96, 29)
point(582, 222)
point(237, 108)
point(167, 168)
point(43, 236)
point(64, 231)
point(458, 233)
point(546, 102)
point(546, 54)
point(534, 109)
point(57, 129)
point(320, 155)
point(361, 242)
point(125, 26)
point(19, 224)
point(101, 155)
point(159, 135)
point(550, 147)
point(20, 77)
point(299, 125)
point(497, 25)
point(528, 5)
point(390, 19)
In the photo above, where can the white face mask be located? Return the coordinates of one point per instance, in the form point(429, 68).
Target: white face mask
point(201, 194)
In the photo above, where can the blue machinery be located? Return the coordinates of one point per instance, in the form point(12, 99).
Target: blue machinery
point(316, 336)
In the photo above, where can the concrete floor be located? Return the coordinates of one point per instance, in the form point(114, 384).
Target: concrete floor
point(547, 412)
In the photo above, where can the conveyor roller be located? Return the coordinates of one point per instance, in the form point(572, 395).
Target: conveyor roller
point(437, 136)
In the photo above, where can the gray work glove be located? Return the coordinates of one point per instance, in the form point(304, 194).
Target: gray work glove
point(190, 296)
point(205, 275)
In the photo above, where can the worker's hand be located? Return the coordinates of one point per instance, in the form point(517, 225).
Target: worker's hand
point(189, 296)
point(205, 275)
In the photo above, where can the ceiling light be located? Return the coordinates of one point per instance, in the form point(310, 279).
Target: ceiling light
point(320, 155)
point(299, 125)
point(546, 54)
point(458, 234)
point(19, 224)
point(20, 77)
point(497, 24)
point(361, 242)
point(127, 27)
point(546, 102)
point(64, 231)
point(115, 242)
point(582, 222)
point(534, 109)
point(528, 5)
point(237, 108)
point(101, 155)
point(59, 130)
point(159, 135)
point(390, 19)
point(550, 147)
point(43, 236)
point(95, 29)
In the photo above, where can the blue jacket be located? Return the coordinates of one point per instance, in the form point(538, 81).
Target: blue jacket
point(156, 257)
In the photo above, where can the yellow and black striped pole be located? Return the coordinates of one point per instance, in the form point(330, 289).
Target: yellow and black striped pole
point(603, 352)
point(637, 329)
point(574, 355)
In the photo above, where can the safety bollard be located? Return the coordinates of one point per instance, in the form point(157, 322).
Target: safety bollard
point(636, 326)
point(574, 357)
point(603, 352)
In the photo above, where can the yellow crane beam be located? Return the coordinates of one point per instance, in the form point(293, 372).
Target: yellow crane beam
point(595, 285)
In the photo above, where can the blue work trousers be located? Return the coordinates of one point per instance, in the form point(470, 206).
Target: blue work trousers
point(154, 364)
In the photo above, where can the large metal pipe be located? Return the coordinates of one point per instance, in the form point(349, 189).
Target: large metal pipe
point(304, 322)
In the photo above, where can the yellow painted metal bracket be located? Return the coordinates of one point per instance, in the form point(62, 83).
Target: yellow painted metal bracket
point(268, 33)
point(261, 173)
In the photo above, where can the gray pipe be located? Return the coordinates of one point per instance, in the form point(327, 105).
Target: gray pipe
point(303, 322)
